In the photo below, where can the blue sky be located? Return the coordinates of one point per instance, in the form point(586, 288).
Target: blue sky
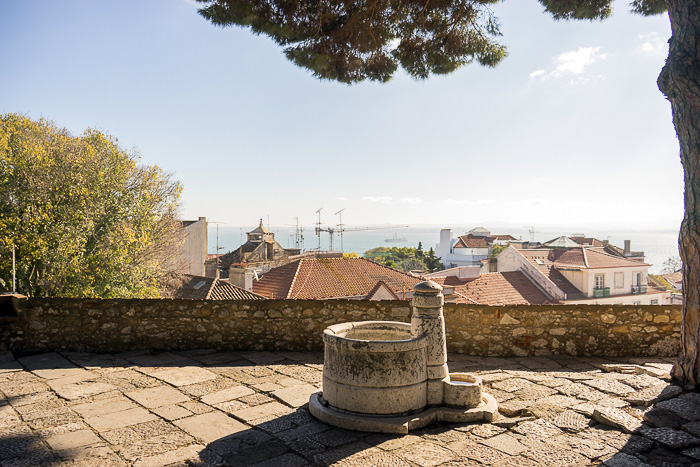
point(570, 129)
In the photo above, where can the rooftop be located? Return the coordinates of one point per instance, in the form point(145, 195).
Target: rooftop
point(316, 278)
point(211, 408)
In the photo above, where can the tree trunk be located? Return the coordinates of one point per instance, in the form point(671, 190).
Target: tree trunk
point(680, 82)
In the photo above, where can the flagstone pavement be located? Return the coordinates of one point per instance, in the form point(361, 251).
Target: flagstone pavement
point(249, 408)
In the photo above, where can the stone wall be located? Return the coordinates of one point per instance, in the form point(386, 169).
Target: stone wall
point(118, 325)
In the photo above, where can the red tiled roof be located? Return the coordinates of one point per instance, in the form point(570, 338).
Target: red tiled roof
point(471, 241)
point(210, 288)
point(542, 260)
point(587, 241)
point(379, 285)
point(502, 288)
point(317, 278)
point(592, 258)
point(501, 237)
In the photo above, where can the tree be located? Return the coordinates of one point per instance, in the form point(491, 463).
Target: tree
point(85, 219)
point(351, 41)
point(672, 264)
point(432, 262)
point(411, 264)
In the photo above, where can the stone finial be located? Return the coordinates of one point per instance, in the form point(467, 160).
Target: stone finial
point(427, 288)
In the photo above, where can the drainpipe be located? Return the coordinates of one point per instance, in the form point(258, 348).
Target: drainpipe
point(428, 319)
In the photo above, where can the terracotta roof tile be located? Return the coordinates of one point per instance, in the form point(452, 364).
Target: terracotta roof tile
point(317, 278)
point(502, 288)
point(592, 258)
point(543, 260)
point(471, 241)
point(209, 288)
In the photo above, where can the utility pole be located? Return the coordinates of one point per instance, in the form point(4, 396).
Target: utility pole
point(340, 227)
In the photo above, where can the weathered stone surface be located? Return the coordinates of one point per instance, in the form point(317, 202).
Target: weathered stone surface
point(571, 421)
point(653, 394)
point(296, 396)
point(674, 439)
point(124, 418)
point(227, 395)
point(624, 460)
point(427, 454)
point(72, 440)
point(686, 406)
point(157, 397)
point(505, 443)
point(183, 376)
point(659, 417)
point(617, 418)
point(210, 426)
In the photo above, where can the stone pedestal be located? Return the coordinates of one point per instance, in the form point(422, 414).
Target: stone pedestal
point(392, 377)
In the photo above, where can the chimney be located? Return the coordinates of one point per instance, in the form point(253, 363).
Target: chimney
point(241, 277)
point(627, 248)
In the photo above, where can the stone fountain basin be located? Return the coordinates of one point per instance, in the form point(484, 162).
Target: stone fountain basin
point(375, 367)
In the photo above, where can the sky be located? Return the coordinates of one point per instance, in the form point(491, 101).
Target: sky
point(570, 129)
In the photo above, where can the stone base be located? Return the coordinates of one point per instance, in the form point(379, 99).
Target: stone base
point(401, 424)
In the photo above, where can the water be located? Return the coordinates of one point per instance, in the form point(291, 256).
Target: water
point(657, 246)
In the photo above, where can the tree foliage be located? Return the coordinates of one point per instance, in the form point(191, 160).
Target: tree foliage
point(405, 258)
point(351, 41)
point(85, 219)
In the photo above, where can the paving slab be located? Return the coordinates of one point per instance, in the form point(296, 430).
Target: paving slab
point(158, 396)
point(505, 443)
point(295, 396)
point(617, 418)
point(73, 440)
point(669, 437)
point(227, 395)
point(182, 376)
point(211, 426)
point(261, 411)
point(121, 419)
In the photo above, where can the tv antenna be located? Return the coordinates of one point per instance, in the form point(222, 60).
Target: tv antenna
point(318, 228)
point(532, 232)
point(217, 242)
point(340, 227)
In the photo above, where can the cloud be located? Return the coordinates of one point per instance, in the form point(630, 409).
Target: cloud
point(378, 199)
point(411, 200)
point(571, 64)
point(475, 202)
point(342, 198)
point(652, 43)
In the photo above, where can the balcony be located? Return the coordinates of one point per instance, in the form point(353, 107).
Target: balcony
point(601, 292)
point(639, 289)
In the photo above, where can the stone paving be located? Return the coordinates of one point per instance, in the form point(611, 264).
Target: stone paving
point(249, 408)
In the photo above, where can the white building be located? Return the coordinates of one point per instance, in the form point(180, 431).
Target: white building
point(584, 275)
point(193, 253)
point(469, 249)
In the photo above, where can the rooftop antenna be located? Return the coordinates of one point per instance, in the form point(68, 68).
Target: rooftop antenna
point(340, 227)
point(532, 232)
point(217, 242)
point(318, 228)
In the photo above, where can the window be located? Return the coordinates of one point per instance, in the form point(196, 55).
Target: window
point(619, 280)
point(654, 302)
point(599, 281)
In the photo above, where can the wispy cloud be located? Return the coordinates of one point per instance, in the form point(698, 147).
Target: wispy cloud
point(571, 64)
point(378, 199)
point(652, 43)
point(474, 202)
point(411, 200)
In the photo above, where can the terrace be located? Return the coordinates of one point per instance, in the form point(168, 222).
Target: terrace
point(202, 407)
point(190, 382)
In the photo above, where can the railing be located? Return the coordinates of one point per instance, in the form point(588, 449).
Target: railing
point(639, 289)
point(601, 292)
